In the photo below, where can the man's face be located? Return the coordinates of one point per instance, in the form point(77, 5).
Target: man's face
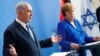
point(27, 14)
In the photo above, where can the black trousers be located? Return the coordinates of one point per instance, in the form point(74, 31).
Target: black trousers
point(96, 51)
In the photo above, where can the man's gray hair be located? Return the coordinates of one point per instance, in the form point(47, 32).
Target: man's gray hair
point(21, 6)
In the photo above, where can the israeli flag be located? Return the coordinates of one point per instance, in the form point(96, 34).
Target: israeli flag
point(88, 19)
point(88, 15)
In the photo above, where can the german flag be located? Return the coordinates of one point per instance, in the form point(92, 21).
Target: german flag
point(62, 2)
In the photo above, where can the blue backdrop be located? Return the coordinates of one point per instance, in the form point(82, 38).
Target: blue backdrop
point(45, 17)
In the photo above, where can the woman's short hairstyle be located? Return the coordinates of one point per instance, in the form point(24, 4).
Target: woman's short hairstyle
point(66, 7)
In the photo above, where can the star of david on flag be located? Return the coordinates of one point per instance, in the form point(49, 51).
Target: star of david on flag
point(85, 18)
point(88, 16)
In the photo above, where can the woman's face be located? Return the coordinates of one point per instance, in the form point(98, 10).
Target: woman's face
point(69, 15)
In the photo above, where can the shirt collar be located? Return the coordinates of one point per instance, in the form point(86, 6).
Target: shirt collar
point(21, 23)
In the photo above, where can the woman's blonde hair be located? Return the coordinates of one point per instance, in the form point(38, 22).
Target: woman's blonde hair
point(66, 7)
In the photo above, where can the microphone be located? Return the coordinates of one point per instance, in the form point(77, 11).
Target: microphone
point(55, 32)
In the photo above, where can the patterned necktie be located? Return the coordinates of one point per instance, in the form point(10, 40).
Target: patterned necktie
point(30, 31)
point(27, 28)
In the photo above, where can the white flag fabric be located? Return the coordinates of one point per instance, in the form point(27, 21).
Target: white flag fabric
point(89, 21)
point(88, 16)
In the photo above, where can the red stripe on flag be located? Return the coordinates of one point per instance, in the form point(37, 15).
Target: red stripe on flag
point(62, 2)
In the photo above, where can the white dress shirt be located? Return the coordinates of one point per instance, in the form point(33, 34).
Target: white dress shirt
point(72, 22)
point(21, 23)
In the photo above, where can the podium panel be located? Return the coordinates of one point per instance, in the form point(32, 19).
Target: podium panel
point(94, 47)
point(70, 53)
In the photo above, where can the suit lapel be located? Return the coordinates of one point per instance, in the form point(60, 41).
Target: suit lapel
point(34, 36)
point(23, 30)
point(36, 40)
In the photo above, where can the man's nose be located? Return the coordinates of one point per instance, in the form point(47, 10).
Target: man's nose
point(31, 14)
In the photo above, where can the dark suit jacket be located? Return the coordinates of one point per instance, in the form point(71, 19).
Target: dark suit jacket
point(98, 15)
point(16, 35)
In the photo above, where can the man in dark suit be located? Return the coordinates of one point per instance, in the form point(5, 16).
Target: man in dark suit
point(19, 37)
point(96, 50)
point(98, 15)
